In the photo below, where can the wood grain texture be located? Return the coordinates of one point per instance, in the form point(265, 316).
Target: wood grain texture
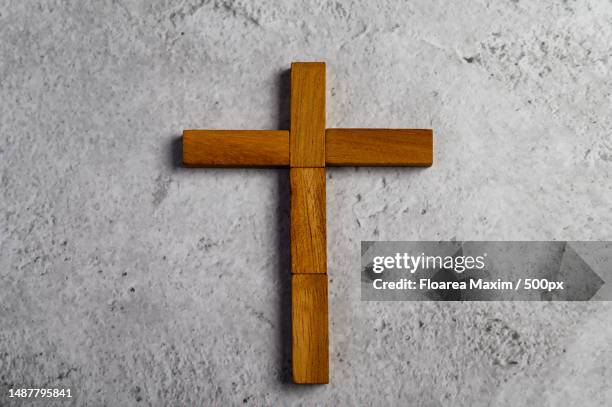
point(307, 114)
point(310, 342)
point(235, 148)
point(379, 147)
point(308, 237)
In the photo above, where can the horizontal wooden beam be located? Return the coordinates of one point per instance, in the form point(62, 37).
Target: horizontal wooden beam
point(379, 147)
point(236, 148)
point(310, 341)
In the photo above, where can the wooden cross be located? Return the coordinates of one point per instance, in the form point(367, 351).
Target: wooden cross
point(307, 148)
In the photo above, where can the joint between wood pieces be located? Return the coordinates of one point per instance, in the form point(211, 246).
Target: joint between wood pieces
point(309, 274)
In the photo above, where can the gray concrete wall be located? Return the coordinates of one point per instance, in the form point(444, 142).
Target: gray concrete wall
point(134, 281)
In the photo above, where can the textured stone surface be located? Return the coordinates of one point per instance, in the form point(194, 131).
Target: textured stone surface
point(134, 281)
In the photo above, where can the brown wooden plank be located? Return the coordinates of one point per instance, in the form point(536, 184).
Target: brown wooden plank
point(308, 241)
point(235, 148)
point(310, 342)
point(379, 147)
point(308, 114)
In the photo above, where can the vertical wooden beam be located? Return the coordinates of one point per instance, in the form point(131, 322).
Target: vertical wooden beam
point(309, 276)
point(310, 359)
point(307, 136)
point(308, 232)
